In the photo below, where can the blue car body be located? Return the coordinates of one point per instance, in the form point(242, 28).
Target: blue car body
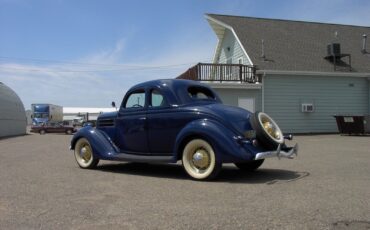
point(147, 133)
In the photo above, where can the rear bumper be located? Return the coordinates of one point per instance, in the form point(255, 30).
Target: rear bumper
point(279, 152)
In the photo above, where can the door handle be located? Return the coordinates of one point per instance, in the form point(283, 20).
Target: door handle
point(145, 125)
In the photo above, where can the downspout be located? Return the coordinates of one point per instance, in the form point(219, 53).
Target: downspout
point(263, 91)
point(368, 102)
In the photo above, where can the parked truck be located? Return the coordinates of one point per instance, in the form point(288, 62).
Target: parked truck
point(44, 113)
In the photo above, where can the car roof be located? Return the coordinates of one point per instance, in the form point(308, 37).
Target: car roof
point(173, 88)
point(170, 83)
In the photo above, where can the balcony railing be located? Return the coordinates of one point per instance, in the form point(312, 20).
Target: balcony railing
point(221, 73)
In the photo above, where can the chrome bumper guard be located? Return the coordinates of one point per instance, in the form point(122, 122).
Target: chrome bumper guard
point(278, 153)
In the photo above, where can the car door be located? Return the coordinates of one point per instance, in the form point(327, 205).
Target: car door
point(59, 128)
point(164, 122)
point(131, 123)
point(50, 127)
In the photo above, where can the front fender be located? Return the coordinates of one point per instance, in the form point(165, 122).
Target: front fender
point(101, 144)
point(224, 141)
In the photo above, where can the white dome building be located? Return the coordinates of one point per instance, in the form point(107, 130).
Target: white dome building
point(13, 119)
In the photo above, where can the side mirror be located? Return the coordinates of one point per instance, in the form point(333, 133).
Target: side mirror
point(113, 104)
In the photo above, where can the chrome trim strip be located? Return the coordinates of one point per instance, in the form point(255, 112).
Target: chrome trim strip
point(278, 153)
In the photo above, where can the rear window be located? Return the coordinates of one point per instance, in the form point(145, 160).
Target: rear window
point(200, 93)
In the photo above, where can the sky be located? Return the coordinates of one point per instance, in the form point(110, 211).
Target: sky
point(88, 53)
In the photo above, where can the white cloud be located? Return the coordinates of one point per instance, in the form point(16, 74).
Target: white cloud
point(48, 85)
point(97, 79)
point(108, 56)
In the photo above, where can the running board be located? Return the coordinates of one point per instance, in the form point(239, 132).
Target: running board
point(143, 159)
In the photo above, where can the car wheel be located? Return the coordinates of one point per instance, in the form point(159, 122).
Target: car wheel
point(199, 160)
point(42, 132)
point(267, 131)
point(69, 131)
point(250, 166)
point(84, 155)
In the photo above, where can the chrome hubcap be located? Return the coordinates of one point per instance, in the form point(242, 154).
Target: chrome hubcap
point(85, 153)
point(201, 159)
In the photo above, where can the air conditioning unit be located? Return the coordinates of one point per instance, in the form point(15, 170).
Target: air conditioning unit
point(307, 108)
point(333, 49)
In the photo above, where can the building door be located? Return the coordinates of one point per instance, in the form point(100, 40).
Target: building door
point(247, 103)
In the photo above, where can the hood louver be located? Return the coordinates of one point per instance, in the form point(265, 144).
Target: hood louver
point(105, 123)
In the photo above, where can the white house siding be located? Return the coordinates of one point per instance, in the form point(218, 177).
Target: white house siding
point(231, 96)
point(236, 52)
point(13, 120)
point(330, 95)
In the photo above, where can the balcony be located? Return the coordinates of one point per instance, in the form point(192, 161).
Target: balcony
point(208, 72)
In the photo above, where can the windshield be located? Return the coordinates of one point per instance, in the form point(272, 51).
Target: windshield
point(41, 115)
point(41, 108)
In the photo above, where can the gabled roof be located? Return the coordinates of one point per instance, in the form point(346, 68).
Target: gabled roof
point(294, 45)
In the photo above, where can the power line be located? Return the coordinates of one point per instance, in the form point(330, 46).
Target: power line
point(92, 71)
point(122, 68)
point(65, 62)
point(90, 64)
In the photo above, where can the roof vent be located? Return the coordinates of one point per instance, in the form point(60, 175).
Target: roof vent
point(263, 49)
point(364, 38)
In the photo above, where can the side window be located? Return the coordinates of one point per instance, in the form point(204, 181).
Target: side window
point(135, 100)
point(200, 93)
point(157, 99)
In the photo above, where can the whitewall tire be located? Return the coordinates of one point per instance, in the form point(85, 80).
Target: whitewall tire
point(84, 154)
point(199, 160)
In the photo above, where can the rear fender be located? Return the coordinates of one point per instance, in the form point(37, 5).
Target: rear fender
point(223, 140)
point(101, 144)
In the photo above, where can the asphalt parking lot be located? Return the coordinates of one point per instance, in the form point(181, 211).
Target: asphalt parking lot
point(326, 187)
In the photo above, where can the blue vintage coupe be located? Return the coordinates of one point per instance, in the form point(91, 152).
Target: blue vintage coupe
point(172, 120)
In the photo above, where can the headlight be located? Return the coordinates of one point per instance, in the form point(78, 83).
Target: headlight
point(270, 127)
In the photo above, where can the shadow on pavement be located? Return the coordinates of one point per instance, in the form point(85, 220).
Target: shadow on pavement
point(261, 176)
point(228, 173)
point(12, 137)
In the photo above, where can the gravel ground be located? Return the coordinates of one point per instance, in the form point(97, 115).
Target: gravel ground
point(326, 187)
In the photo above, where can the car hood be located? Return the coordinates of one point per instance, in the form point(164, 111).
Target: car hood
point(237, 117)
point(107, 115)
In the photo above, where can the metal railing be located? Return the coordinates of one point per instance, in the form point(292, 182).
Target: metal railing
point(221, 73)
